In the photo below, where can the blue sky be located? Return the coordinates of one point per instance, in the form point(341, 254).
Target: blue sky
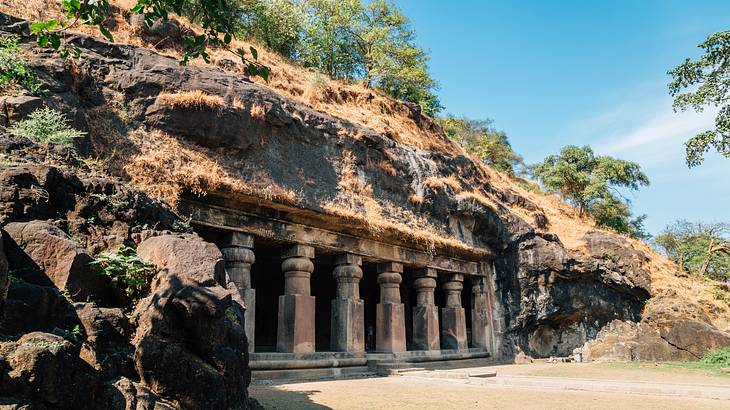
point(552, 73)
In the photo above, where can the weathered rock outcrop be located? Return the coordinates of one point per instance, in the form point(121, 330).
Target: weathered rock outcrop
point(4, 277)
point(44, 371)
point(47, 253)
point(187, 325)
point(190, 343)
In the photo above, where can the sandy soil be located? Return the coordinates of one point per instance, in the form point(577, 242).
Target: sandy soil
point(415, 393)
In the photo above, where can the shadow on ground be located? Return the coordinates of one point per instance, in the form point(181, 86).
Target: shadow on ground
point(277, 398)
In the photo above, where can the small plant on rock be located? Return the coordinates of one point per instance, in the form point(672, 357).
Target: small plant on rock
point(126, 271)
point(13, 68)
point(75, 335)
point(47, 125)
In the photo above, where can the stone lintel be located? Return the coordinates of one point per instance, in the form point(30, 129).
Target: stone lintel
point(348, 259)
point(237, 220)
point(240, 239)
point(298, 251)
point(390, 267)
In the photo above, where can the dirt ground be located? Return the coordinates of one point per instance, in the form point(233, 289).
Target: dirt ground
point(404, 392)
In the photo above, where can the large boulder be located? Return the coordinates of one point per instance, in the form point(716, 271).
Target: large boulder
point(30, 308)
point(190, 343)
point(45, 370)
point(125, 394)
point(107, 346)
point(46, 256)
point(670, 329)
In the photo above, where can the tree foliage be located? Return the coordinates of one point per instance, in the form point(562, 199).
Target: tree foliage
point(592, 183)
point(277, 24)
point(13, 67)
point(481, 139)
point(703, 83)
point(370, 41)
point(698, 248)
point(219, 19)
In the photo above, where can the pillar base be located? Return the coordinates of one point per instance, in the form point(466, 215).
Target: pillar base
point(453, 329)
point(249, 299)
point(347, 326)
point(426, 328)
point(390, 328)
point(296, 324)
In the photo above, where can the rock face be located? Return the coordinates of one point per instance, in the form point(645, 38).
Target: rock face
point(190, 342)
point(671, 329)
point(4, 277)
point(47, 253)
point(42, 369)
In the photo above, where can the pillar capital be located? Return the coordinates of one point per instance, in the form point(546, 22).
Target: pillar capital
point(237, 239)
point(478, 284)
point(348, 259)
point(348, 273)
point(425, 273)
point(390, 267)
point(298, 251)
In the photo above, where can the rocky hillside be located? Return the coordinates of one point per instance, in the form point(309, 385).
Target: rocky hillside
point(208, 133)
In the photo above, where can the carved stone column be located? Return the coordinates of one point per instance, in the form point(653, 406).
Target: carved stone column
point(425, 313)
point(390, 328)
point(453, 319)
point(238, 253)
point(481, 324)
point(348, 311)
point(296, 305)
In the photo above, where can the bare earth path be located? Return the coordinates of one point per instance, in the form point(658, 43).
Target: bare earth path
point(535, 386)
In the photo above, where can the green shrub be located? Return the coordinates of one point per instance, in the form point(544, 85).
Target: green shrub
point(75, 335)
point(126, 271)
point(47, 125)
point(717, 357)
point(13, 68)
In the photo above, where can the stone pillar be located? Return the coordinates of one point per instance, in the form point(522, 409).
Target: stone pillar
point(390, 327)
point(453, 319)
point(238, 253)
point(296, 305)
point(481, 324)
point(348, 311)
point(425, 313)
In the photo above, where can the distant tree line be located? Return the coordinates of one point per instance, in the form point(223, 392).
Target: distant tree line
point(698, 248)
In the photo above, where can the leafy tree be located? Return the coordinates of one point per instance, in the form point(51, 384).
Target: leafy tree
point(583, 178)
point(706, 83)
point(327, 46)
point(613, 213)
point(480, 139)
point(218, 19)
point(277, 24)
point(372, 41)
point(700, 249)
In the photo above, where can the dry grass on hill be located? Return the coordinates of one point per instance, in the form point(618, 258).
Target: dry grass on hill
point(192, 99)
point(351, 102)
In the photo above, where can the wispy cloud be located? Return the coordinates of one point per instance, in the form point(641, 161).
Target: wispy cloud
point(655, 135)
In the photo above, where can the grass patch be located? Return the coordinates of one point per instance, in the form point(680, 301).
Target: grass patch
point(197, 100)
